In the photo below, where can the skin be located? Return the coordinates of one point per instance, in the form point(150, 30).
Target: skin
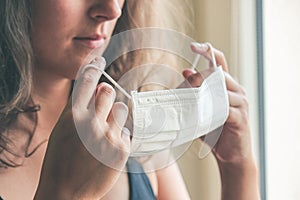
point(53, 172)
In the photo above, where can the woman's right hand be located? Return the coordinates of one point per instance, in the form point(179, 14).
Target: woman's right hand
point(88, 147)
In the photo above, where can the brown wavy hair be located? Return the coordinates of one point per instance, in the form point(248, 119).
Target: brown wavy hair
point(15, 57)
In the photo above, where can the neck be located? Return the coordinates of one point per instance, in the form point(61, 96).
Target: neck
point(51, 93)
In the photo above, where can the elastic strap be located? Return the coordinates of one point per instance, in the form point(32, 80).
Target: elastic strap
point(212, 55)
point(94, 66)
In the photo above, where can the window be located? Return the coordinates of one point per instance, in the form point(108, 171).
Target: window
point(261, 40)
point(282, 98)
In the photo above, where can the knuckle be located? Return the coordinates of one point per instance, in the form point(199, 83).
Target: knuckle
point(122, 146)
point(242, 119)
point(245, 101)
point(109, 134)
point(233, 117)
point(244, 115)
point(115, 140)
point(221, 54)
point(238, 118)
point(230, 115)
point(243, 90)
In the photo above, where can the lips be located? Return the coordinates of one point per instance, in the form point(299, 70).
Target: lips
point(92, 42)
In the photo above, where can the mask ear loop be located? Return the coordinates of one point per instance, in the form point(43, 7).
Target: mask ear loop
point(196, 60)
point(213, 58)
point(95, 63)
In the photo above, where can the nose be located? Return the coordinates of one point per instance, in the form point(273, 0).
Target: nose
point(106, 10)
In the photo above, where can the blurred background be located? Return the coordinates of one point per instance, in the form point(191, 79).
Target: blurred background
point(261, 42)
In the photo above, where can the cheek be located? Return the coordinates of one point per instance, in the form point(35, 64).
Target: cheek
point(45, 14)
point(46, 27)
point(53, 27)
point(55, 17)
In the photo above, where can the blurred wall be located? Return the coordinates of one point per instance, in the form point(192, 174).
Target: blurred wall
point(212, 24)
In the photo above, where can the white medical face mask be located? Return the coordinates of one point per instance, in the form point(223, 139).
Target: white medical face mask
point(168, 118)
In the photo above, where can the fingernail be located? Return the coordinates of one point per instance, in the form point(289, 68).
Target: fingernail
point(106, 88)
point(200, 46)
point(97, 64)
point(100, 62)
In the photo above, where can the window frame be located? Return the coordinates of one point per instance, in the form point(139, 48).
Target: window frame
point(261, 97)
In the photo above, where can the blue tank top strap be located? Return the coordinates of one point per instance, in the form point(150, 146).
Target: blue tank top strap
point(139, 184)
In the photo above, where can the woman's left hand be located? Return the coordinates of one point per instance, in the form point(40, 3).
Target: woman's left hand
point(233, 150)
point(234, 144)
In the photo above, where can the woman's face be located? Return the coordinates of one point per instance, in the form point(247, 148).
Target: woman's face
point(64, 32)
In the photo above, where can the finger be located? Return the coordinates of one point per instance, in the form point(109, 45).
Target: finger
point(236, 100)
point(117, 117)
point(221, 60)
point(233, 85)
point(234, 116)
point(204, 50)
point(195, 80)
point(201, 48)
point(104, 100)
point(188, 72)
point(86, 83)
point(237, 117)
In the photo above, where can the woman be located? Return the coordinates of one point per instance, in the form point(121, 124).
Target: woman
point(43, 44)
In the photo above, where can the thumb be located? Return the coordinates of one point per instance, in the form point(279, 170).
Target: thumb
point(187, 72)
